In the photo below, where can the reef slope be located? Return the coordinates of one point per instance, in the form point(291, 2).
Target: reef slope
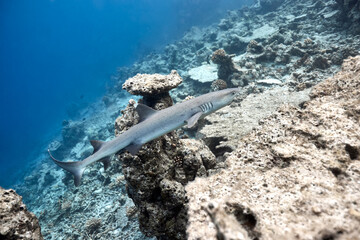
point(296, 176)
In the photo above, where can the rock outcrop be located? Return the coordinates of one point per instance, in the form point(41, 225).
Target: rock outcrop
point(297, 176)
point(157, 175)
point(16, 222)
point(154, 88)
point(226, 66)
point(243, 115)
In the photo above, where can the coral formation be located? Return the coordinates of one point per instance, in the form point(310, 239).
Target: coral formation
point(204, 73)
point(153, 87)
point(254, 47)
point(156, 176)
point(16, 222)
point(294, 176)
point(218, 84)
point(225, 63)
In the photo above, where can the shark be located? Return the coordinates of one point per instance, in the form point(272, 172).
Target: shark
point(152, 124)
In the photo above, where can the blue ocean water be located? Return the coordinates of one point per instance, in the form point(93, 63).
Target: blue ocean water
point(58, 56)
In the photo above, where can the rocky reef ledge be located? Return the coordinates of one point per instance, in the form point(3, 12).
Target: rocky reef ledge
point(16, 222)
point(295, 176)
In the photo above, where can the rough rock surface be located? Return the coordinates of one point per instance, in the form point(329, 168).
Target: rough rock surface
point(153, 87)
point(297, 176)
point(225, 63)
point(244, 115)
point(156, 177)
point(152, 84)
point(16, 222)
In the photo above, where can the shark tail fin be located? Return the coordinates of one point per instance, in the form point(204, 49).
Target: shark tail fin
point(73, 167)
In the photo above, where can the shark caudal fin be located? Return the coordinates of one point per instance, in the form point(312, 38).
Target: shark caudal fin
point(74, 167)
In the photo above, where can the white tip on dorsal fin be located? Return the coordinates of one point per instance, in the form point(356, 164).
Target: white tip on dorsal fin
point(96, 145)
point(193, 120)
point(144, 111)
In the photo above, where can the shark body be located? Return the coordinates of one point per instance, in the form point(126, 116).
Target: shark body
point(152, 125)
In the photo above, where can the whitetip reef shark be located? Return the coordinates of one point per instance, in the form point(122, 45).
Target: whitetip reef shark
point(152, 124)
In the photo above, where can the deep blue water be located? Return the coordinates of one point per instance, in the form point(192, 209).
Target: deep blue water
point(60, 53)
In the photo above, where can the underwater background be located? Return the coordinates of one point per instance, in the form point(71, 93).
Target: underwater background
point(281, 161)
point(57, 57)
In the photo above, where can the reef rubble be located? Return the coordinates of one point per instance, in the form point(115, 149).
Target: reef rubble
point(296, 176)
point(296, 43)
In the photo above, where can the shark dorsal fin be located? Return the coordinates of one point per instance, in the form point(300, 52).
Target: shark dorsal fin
point(144, 111)
point(96, 145)
point(193, 120)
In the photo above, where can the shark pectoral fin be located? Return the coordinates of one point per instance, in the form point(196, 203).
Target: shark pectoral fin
point(144, 111)
point(133, 148)
point(106, 162)
point(96, 145)
point(74, 167)
point(193, 120)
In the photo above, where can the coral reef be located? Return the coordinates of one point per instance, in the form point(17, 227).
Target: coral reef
point(294, 176)
point(254, 47)
point(156, 176)
point(225, 63)
point(277, 55)
point(300, 44)
point(153, 87)
point(16, 222)
point(218, 84)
